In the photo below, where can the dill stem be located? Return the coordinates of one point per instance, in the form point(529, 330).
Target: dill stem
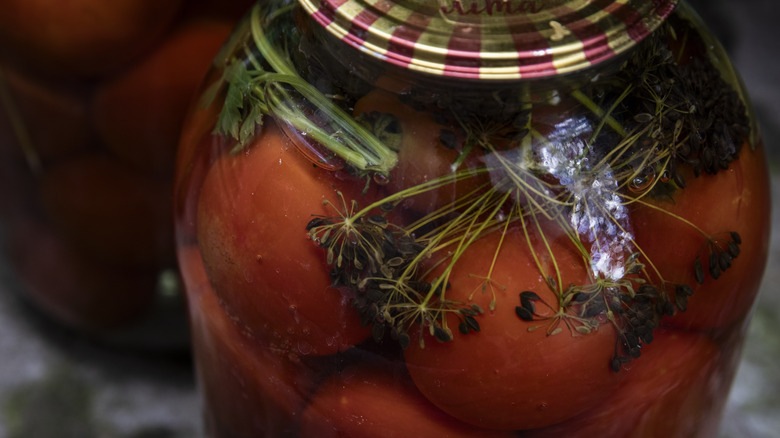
point(591, 105)
point(376, 156)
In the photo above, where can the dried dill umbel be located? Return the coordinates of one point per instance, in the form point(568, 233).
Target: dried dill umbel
point(380, 262)
point(680, 102)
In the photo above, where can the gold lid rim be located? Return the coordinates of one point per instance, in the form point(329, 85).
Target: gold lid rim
point(565, 37)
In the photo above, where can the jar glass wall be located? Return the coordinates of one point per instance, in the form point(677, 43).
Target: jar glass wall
point(374, 246)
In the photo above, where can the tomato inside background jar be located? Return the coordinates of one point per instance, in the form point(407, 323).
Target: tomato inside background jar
point(92, 99)
point(560, 246)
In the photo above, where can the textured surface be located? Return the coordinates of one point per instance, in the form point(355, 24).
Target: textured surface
point(55, 385)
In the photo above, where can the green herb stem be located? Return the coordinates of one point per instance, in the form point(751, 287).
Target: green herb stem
point(591, 105)
point(376, 156)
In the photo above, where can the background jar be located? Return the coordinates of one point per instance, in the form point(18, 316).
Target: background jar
point(92, 97)
point(602, 225)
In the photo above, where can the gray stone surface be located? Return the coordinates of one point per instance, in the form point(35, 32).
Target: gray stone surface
point(56, 385)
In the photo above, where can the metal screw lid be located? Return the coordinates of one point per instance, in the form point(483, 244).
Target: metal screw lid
point(491, 39)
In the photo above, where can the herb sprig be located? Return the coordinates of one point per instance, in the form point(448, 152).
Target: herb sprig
point(265, 83)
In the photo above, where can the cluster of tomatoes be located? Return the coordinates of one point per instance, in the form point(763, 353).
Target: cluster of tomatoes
point(94, 94)
point(281, 351)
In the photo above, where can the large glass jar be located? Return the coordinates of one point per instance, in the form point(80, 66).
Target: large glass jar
point(90, 118)
point(470, 218)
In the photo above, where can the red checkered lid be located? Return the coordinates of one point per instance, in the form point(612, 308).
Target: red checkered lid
point(491, 39)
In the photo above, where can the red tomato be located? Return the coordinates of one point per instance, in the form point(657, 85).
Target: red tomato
point(81, 37)
point(251, 224)
point(188, 177)
point(139, 113)
point(82, 292)
point(249, 389)
point(736, 199)
point(675, 389)
point(110, 210)
point(378, 402)
point(505, 376)
point(422, 157)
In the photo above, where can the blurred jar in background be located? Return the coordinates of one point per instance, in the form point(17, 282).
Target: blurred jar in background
point(92, 98)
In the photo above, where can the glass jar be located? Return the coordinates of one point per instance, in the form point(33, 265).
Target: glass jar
point(470, 218)
point(89, 125)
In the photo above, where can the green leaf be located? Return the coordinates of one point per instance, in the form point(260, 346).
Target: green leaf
point(251, 122)
point(231, 116)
